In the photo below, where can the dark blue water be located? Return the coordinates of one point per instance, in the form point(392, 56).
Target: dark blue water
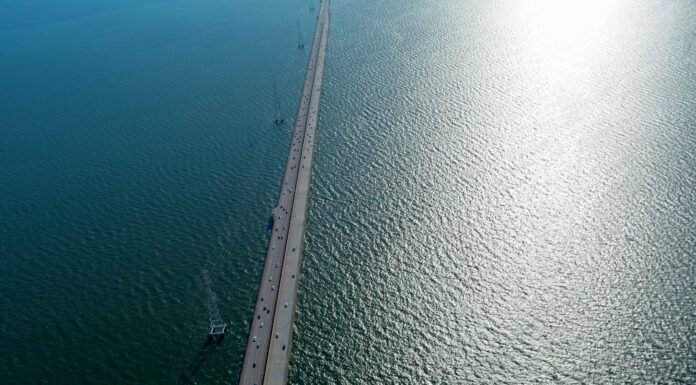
point(136, 149)
point(503, 192)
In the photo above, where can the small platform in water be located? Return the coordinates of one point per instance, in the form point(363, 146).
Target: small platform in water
point(217, 331)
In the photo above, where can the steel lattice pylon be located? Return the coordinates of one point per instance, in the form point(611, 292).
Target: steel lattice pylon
point(216, 326)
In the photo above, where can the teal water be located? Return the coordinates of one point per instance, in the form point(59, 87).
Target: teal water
point(137, 148)
point(504, 192)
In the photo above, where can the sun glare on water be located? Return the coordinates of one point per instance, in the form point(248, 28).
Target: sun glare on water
point(565, 22)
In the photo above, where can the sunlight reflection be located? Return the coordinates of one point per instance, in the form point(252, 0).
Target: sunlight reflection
point(565, 22)
point(561, 47)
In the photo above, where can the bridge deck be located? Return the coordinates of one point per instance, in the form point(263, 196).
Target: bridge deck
point(268, 348)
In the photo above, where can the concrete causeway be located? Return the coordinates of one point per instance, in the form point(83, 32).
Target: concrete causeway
point(267, 353)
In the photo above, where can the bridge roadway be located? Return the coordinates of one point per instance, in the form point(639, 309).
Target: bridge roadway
point(267, 353)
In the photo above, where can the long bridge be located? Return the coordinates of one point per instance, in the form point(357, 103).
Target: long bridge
point(267, 353)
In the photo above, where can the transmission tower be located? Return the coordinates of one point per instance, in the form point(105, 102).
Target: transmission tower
point(300, 42)
point(278, 118)
point(216, 326)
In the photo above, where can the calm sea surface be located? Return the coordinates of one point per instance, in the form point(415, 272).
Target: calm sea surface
point(504, 192)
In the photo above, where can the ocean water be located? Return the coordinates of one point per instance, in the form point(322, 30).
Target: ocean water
point(504, 192)
point(137, 148)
